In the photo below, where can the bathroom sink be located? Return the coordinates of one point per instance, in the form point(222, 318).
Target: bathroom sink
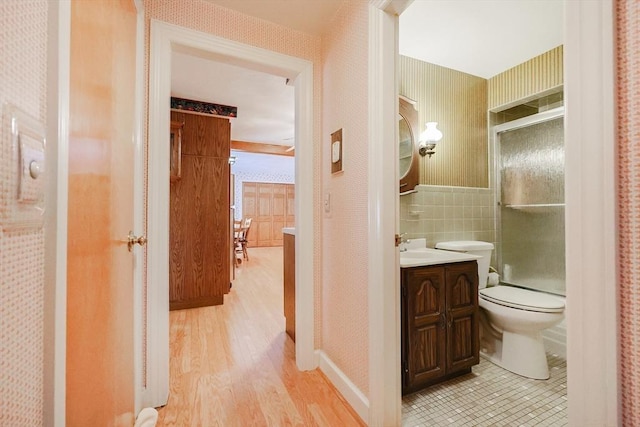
point(417, 257)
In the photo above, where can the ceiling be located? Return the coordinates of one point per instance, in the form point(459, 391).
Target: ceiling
point(265, 102)
point(479, 37)
point(308, 16)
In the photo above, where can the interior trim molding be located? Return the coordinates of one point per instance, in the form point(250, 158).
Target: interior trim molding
point(165, 39)
point(385, 407)
point(590, 196)
point(348, 389)
point(139, 326)
point(55, 279)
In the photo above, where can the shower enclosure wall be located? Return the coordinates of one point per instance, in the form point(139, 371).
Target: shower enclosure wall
point(529, 155)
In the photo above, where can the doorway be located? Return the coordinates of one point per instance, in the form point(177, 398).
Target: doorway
point(166, 39)
point(590, 210)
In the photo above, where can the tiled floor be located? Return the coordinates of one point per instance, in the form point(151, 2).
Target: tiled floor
point(491, 396)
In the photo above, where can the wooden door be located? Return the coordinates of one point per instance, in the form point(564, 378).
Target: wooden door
point(99, 359)
point(463, 347)
point(278, 214)
point(271, 207)
point(424, 316)
point(199, 214)
point(290, 219)
point(263, 220)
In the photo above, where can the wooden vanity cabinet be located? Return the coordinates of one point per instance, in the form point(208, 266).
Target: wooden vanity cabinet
point(439, 323)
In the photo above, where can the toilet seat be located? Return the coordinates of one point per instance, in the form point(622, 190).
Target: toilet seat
point(523, 299)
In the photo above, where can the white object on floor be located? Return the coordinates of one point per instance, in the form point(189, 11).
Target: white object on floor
point(148, 417)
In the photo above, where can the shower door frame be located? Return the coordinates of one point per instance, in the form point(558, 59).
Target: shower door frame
point(534, 119)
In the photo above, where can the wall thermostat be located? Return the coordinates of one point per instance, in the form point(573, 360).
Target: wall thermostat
point(23, 137)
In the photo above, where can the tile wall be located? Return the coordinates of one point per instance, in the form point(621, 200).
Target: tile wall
point(448, 213)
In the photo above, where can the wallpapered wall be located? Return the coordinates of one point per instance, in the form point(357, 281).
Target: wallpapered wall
point(23, 76)
point(537, 75)
point(345, 264)
point(458, 102)
point(628, 67)
point(203, 16)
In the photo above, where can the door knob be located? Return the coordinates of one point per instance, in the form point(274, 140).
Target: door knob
point(135, 240)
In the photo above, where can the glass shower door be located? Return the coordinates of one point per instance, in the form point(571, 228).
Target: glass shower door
point(531, 223)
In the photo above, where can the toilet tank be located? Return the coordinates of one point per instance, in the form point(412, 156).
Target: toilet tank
point(473, 247)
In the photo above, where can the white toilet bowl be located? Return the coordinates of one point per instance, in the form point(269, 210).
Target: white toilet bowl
point(513, 320)
point(512, 336)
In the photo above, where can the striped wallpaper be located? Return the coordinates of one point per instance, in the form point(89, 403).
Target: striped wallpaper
point(458, 102)
point(527, 80)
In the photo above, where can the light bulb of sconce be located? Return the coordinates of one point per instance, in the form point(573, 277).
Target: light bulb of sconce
point(429, 138)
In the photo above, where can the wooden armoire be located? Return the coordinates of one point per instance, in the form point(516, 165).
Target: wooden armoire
point(199, 213)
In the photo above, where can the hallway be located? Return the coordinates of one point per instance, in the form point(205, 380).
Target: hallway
point(233, 365)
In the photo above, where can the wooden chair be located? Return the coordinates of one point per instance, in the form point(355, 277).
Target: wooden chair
point(243, 239)
point(238, 234)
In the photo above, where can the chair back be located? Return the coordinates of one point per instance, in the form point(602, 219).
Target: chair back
point(246, 226)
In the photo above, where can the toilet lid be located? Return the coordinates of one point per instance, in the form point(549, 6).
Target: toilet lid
point(523, 299)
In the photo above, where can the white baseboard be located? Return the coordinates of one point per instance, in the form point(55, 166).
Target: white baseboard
point(348, 389)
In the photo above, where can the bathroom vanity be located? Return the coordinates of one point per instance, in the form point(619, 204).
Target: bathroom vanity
point(440, 317)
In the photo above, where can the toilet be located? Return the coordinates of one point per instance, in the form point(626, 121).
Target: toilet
point(514, 318)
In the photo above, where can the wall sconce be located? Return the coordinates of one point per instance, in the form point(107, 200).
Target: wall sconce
point(429, 139)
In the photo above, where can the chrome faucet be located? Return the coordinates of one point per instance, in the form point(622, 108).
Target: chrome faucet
point(403, 248)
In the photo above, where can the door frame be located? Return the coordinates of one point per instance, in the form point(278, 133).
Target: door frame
point(138, 216)
point(165, 39)
point(57, 152)
point(591, 233)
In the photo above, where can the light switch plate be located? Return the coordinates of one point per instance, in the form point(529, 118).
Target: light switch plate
point(327, 202)
point(23, 170)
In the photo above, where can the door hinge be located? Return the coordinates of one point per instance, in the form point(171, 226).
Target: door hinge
point(404, 291)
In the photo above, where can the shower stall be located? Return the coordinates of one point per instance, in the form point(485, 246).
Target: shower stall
point(529, 169)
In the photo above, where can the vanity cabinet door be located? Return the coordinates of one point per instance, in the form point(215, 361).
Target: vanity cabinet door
point(425, 326)
point(462, 316)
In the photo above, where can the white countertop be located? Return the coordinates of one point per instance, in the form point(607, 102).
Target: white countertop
point(427, 256)
point(289, 230)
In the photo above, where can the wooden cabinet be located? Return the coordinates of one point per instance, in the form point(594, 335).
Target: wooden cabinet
point(289, 273)
point(439, 323)
point(272, 207)
point(199, 234)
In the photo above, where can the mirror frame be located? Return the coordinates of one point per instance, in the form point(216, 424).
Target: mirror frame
point(407, 110)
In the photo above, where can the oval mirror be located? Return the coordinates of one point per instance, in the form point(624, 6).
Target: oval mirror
point(409, 166)
point(406, 146)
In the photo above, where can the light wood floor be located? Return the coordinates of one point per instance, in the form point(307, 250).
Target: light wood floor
point(233, 365)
